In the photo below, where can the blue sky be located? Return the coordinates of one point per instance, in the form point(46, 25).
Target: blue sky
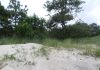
point(90, 14)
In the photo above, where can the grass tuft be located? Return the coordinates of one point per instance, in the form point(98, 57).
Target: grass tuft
point(97, 53)
point(9, 57)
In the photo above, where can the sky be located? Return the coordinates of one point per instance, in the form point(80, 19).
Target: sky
point(90, 13)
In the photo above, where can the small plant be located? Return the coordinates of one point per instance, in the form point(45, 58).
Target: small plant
point(42, 52)
point(9, 57)
point(92, 51)
point(97, 53)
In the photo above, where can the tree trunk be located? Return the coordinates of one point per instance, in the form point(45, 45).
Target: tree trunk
point(15, 20)
point(63, 24)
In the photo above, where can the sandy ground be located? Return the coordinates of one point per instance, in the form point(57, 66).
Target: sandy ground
point(28, 59)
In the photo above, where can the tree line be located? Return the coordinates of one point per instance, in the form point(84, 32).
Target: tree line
point(14, 21)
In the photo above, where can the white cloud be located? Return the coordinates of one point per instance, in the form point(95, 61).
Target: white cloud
point(95, 12)
point(35, 6)
point(91, 11)
point(4, 2)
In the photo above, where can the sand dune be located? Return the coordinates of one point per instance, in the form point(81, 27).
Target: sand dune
point(26, 57)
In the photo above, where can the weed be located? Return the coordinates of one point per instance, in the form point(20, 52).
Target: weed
point(43, 51)
point(97, 53)
point(9, 57)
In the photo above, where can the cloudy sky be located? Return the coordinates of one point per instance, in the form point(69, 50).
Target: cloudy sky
point(90, 14)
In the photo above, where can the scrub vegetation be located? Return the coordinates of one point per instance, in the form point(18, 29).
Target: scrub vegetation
point(17, 27)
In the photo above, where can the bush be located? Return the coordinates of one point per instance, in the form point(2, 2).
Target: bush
point(32, 27)
point(37, 26)
point(77, 30)
point(24, 30)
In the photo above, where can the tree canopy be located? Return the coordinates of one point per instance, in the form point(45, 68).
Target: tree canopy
point(63, 10)
point(17, 13)
point(14, 21)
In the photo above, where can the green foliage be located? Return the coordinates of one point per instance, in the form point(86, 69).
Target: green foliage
point(77, 30)
point(51, 42)
point(38, 26)
point(38, 29)
point(63, 10)
point(17, 14)
point(10, 40)
point(31, 27)
point(97, 53)
point(4, 15)
point(9, 57)
point(24, 30)
point(88, 48)
point(57, 33)
point(5, 26)
point(95, 29)
point(16, 40)
point(92, 51)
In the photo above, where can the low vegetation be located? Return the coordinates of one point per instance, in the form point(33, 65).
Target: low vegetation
point(89, 45)
point(9, 57)
point(17, 27)
point(17, 40)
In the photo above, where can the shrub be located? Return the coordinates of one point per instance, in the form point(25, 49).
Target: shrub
point(24, 29)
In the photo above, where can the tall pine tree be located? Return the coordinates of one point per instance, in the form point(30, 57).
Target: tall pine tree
point(63, 10)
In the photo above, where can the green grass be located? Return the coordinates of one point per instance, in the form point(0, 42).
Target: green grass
point(97, 52)
point(90, 45)
point(51, 42)
point(16, 40)
point(88, 40)
point(9, 57)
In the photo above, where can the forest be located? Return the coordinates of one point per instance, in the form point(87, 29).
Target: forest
point(14, 21)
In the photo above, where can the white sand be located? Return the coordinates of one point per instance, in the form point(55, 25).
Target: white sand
point(26, 59)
